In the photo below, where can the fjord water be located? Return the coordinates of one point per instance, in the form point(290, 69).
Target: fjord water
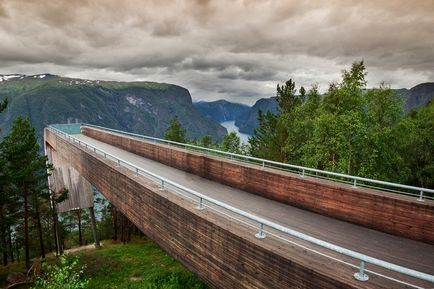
point(231, 127)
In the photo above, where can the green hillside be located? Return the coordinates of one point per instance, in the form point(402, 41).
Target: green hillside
point(141, 107)
point(138, 264)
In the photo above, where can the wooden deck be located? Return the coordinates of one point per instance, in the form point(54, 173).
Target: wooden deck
point(223, 251)
point(409, 253)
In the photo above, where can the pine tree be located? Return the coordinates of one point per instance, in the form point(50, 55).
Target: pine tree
point(39, 204)
point(5, 199)
point(231, 143)
point(206, 141)
point(175, 131)
point(5, 202)
point(262, 143)
point(286, 97)
point(270, 138)
point(27, 169)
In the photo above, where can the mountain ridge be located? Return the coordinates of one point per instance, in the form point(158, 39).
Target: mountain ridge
point(141, 107)
point(415, 97)
point(221, 110)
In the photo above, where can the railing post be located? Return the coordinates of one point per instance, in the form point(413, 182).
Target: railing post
point(361, 276)
point(200, 204)
point(355, 183)
point(260, 234)
point(263, 164)
point(119, 162)
point(137, 171)
point(94, 150)
point(420, 199)
point(105, 155)
point(162, 186)
point(232, 157)
point(302, 173)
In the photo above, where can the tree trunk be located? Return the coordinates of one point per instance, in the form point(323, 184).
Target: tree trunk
point(125, 228)
point(41, 238)
point(130, 225)
point(26, 227)
point(115, 223)
point(94, 229)
point(56, 232)
point(80, 236)
point(3, 237)
point(11, 249)
point(5, 252)
point(55, 235)
point(122, 228)
point(17, 248)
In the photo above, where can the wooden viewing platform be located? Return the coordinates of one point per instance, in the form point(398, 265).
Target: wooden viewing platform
point(221, 248)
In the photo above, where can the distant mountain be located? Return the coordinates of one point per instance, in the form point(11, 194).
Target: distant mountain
point(414, 98)
point(221, 110)
point(141, 107)
point(417, 96)
point(247, 121)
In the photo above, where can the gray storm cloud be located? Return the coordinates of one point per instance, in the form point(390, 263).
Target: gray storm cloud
point(236, 50)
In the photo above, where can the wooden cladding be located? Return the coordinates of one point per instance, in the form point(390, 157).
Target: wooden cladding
point(391, 213)
point(223, 253)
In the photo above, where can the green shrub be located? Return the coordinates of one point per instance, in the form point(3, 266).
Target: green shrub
point(174, 280)
point(64, 275)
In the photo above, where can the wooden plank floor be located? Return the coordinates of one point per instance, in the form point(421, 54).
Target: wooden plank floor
point(405, 252)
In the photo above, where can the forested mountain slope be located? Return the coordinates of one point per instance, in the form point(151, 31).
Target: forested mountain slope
point(141, 107)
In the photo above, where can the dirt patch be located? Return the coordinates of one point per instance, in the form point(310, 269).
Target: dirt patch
point(82, 248)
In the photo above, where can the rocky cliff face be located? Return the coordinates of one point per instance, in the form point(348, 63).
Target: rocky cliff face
point(221, 110)
point(417, 96)
point(141, 107)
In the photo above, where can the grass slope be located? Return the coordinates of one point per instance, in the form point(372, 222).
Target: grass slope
point(139, 264)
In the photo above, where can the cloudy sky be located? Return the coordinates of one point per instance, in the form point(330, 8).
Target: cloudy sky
point(237, 50)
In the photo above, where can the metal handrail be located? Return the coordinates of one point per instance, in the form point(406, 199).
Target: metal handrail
point(420, 191)
point(263, 222)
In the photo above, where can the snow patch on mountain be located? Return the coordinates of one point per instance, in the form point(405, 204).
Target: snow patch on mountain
point(9, 76)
